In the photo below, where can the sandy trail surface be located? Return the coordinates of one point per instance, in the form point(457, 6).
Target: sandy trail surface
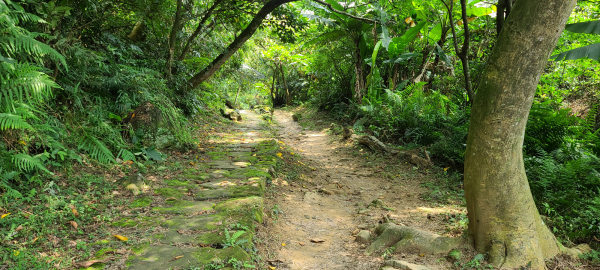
point(320, 217)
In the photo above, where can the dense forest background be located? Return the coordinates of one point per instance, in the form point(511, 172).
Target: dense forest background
point(100, 82)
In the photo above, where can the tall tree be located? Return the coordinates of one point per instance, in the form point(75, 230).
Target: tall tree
point(503, 219)
point(237, 43)
point(173, 36)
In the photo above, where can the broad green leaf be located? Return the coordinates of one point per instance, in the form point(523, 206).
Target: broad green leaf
point(339, 7)
point(591, 27)
point(479, 11)
point(362, 45)
point(589, 51)
point(440, 52)
point(375, 51)
point(385, 37)
point(399, 43)
point(436, 32)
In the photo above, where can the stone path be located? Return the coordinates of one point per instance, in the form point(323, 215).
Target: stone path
point(207, 214)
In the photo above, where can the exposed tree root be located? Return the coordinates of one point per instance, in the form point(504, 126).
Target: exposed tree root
point(404, 238)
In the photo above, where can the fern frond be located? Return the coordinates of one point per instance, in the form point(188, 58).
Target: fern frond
point(13, 121)
point(28, 163)
point(23, 83)
point(96, 149)
point(125, 155)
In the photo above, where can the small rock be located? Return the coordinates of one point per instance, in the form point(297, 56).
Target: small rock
point(363, 237)
point(363, 211)
point(307, 216)
point(364, 226)
point(295, 117)
point(377, 202)
point(325, 191)
point(133, 188)
point(405, 265)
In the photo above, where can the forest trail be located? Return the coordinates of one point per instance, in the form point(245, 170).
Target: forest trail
point(320, 217)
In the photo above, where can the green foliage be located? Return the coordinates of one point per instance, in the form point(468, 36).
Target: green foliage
point(232, 240)
point(96, 149)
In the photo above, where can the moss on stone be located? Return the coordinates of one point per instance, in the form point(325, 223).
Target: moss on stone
point(170, 192)
point(207, 255)
point(179, 206)
point(139, 249)
point(141, 202)
point(141, 222)
point(177, 183)
point(257, 173)
point(250, 207)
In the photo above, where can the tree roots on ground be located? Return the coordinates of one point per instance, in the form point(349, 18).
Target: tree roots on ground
point(404, 239)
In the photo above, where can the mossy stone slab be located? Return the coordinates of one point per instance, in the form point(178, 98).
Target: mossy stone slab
point(239, 154)
point(204, 223)
point(161, 257)
point(220, 173)
point(171, 192)
point(211, 194)
point(223, 165)
point(137, 222)
point(179, 206)
point(172, 237)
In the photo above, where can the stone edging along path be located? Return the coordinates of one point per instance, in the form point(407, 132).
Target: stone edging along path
point(208, 214)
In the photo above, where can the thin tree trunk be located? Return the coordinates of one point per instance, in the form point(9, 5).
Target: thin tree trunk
point(199, 29)
point(503, 219)
point(237, 43)
point(285, 86)
point(359, 84)
point(463, 53)
point(500, 15)
point(173, 36)
point(138, 30)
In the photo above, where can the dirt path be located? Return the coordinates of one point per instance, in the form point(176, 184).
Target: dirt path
point(338, 212)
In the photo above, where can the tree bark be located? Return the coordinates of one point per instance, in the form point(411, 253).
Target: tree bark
point(206, 16)
point(503, 219)
point(237, 43)
point(359, 84)
point(173, 36)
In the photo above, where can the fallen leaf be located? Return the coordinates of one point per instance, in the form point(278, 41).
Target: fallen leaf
point(74, 210)
point(74, 224)
point(198, 182)
point(422, 254)
point(89, 263)
point(317, 240)
point(301, 243)
point(283, 244)
point(19, 228)
point(176, 258)
point(272, 268)
point(3, 216)
point(120, 237)
point(35, 240)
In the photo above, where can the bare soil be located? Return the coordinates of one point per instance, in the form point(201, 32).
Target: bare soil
point(320, 215)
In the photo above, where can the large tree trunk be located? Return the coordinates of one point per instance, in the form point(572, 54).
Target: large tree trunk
point(503, 219)
point(190, 40)
point(237, 43)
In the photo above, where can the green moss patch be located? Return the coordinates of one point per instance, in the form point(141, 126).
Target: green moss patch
point(170, 192)
point(179, 206)
point(139, 222)
point(204, 223)
point(141, 202)
point(250, 207)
